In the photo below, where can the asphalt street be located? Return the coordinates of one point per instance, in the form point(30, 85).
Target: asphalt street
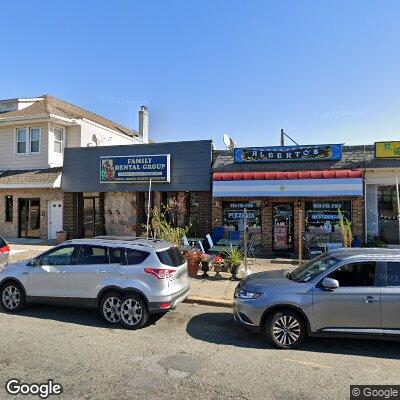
point(194, 352)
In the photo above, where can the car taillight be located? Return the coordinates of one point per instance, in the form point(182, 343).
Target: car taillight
point(160, 273)
point(5, 249)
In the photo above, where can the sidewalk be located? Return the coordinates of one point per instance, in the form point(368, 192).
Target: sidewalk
point(219, 291)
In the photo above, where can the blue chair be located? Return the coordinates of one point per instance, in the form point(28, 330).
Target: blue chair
point(234, 235)
point(217, 234)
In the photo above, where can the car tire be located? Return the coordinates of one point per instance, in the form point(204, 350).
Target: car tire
point(285, 329)
point(110, 307)
point(12, 297)
point(134, 311)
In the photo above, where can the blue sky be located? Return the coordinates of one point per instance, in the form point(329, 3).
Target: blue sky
point(325, 71)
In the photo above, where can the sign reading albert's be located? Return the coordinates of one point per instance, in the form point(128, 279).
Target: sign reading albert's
point(315, 152)
point(135, 168)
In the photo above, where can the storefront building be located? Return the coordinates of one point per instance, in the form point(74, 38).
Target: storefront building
point(381, 198)
point(289, 192)
point(106, 188)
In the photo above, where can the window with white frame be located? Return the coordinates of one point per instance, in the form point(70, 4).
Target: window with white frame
point(28, 140)
point(21, 141)
point(58, 140)
point(34, 139)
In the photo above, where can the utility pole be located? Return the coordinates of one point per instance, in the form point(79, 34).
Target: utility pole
point(148, 211)
point(245, 237)
point(398, 204)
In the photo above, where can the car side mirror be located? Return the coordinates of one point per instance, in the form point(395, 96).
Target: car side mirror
point(36, 262)
point(330, 284)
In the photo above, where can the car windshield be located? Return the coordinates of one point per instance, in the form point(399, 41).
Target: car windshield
point(312, 268)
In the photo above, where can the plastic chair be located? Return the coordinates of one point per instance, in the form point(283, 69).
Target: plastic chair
point(209, 240)
point(186, 244)
point(217, 234)
point(201, 246)
point(234, 235)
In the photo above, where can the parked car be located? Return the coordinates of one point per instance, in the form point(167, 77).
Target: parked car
point(126, 280)
point(343, 292)
point(4, 251)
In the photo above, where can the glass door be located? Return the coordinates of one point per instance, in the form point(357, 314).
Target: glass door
point(29, 218)
point(282, 220)
point(92, 225)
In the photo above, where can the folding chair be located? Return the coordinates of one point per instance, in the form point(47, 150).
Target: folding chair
point(186, 244)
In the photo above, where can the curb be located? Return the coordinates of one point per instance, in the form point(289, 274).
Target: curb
point(209, 301)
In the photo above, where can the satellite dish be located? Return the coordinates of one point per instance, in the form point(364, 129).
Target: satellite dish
point(229, 142)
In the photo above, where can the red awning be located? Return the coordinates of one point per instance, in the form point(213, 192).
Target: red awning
point(268, 175)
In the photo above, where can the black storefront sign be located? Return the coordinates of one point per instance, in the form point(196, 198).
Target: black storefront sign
point(324, 215)
point(233, 212)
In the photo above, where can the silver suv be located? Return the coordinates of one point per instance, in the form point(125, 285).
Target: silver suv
point(125, 279)
point(344, 292)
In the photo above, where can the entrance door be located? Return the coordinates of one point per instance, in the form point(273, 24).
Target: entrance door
point(282, 220)
point(55, 218)
point(29, 218)
point(91, 216)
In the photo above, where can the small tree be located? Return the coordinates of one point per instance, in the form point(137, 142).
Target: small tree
point(345, 227)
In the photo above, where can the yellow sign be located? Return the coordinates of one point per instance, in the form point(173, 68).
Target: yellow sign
point(387, 149)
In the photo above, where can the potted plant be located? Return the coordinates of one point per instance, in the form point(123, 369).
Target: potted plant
point(235, 257)
point(218, 263)
point(205, 259)
point(61, 236)
point(193, 258)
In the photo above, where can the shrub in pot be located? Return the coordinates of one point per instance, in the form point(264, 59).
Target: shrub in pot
point(235, 256)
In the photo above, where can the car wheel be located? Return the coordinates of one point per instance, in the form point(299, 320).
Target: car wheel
point(12, 297)
point(285, 329)
point(134, 312)
point(110, 307)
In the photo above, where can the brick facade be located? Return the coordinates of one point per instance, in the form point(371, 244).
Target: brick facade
point(357, 208)
point(10, 229)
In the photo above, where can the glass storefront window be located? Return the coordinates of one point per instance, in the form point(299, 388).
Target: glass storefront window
point(323, 216)
point(387, 214)
point(233, 214)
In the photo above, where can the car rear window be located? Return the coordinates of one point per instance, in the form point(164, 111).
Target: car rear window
point(171, 257)
point(135, 257)
point(2, 242)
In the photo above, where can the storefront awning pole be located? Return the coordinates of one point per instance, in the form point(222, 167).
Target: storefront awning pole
point(398, 204)
point(148, 210)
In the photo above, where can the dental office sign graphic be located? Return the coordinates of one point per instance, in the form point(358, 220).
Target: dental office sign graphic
point(317, 152)
point(135, 168)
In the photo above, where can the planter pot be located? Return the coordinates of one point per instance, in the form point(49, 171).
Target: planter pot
point(234, 272)
point(61, 237)
point(217, 269)
point(193, 268)
point(205, 268)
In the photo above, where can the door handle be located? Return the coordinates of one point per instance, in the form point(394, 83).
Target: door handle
point(371, 299)
point(101, 271)
point(61, 272)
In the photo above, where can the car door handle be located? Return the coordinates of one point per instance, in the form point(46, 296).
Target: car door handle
point(101, 271)
point(61, 272)
point(371, 299)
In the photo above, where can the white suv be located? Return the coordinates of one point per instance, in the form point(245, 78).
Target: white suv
point(126, 279)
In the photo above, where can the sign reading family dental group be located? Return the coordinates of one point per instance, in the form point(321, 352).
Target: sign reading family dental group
point(315, 152)
point(135, 168)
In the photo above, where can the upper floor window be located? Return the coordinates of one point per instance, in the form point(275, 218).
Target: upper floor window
point(21, 141)
point(28, 140)
point(34, 138)
point(58, 140)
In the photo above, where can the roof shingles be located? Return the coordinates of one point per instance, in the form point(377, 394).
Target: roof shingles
point(38, 176)
point(51, 105)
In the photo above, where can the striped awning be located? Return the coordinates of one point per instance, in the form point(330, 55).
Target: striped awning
point(278, 184)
